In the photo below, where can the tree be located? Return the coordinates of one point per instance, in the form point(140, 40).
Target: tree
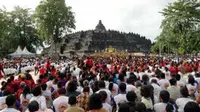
point(181, 27)
point(17, 28)
point(54, 19)
point(4, 32)
point(23, 31)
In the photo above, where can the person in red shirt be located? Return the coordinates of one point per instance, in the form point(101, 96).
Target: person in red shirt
point(1, 70)
point(173, 69)
point(89, 63)
point(48, 64)
point(53, 71)
point(20, 90)
point(42, 70)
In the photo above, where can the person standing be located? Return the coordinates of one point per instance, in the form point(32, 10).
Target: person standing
point(1, 70)
point(48, 65)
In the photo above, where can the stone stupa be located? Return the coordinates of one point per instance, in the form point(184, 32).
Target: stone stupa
point(100, 27)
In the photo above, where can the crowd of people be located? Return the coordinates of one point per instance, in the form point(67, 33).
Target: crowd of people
point(104, 84)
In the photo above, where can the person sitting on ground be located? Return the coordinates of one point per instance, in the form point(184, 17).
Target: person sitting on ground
point(37, 95)
point(10, 102)
point(165, 105)
point(191, 107)
point(95, 103)
point(174, 90)
point(130, 86)
point(121, 97)
point(156, 87)
point(61, 103)
point(180, 82)
point(47, 94)
point(140, 107)
point(104, 99)
point(83, 99)
point(3, 99)
point(73, 107)
point(33, 106)
point(164, 83)
point(146, 97)
point(124, 107)
point(55, 92)
point(102, 87)
point(131, 97)
point(25, 98)
point(71, 89)
point(181, 102)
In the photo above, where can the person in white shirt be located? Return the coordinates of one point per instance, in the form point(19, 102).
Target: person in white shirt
point(10, 102)
point(192, 86)
point(140, 74)
point(197, 77)
point(181, 102)
point(102, 88)
point(121, 97)
point(34, 107)
point(113, 87)
point(25, 98)
point(61, 101)
point(3, 99)
point(156, 87)
point(164, 83)
point(86, 84)
point(180, 82)
point(130, 86)
point(54, 84)
point(50, 82)
point(164, 105)
point(104, 99)
point(47, 94)
point(76, 72)
point(37, 95)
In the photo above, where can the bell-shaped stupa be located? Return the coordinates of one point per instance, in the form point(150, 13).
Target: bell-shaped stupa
point(100, 27)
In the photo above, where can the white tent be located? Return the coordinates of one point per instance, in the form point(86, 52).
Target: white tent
point(20, 53)
point(17, 53)
point(27, 53)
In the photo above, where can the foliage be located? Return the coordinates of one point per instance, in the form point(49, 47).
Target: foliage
point(78, 45)
point(17, 28)
point(180, 27)
point(54, 19)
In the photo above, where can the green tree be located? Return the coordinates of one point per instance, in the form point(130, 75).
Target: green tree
point(17, 28)
point(54, 20)
point(4, 32)
point(180, 27)
point(22, 29)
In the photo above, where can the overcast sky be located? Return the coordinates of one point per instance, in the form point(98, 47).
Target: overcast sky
point(138, 16)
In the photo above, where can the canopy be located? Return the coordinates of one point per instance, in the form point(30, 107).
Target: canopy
point(20, 53)
point(27, 53)
point(17, 53)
